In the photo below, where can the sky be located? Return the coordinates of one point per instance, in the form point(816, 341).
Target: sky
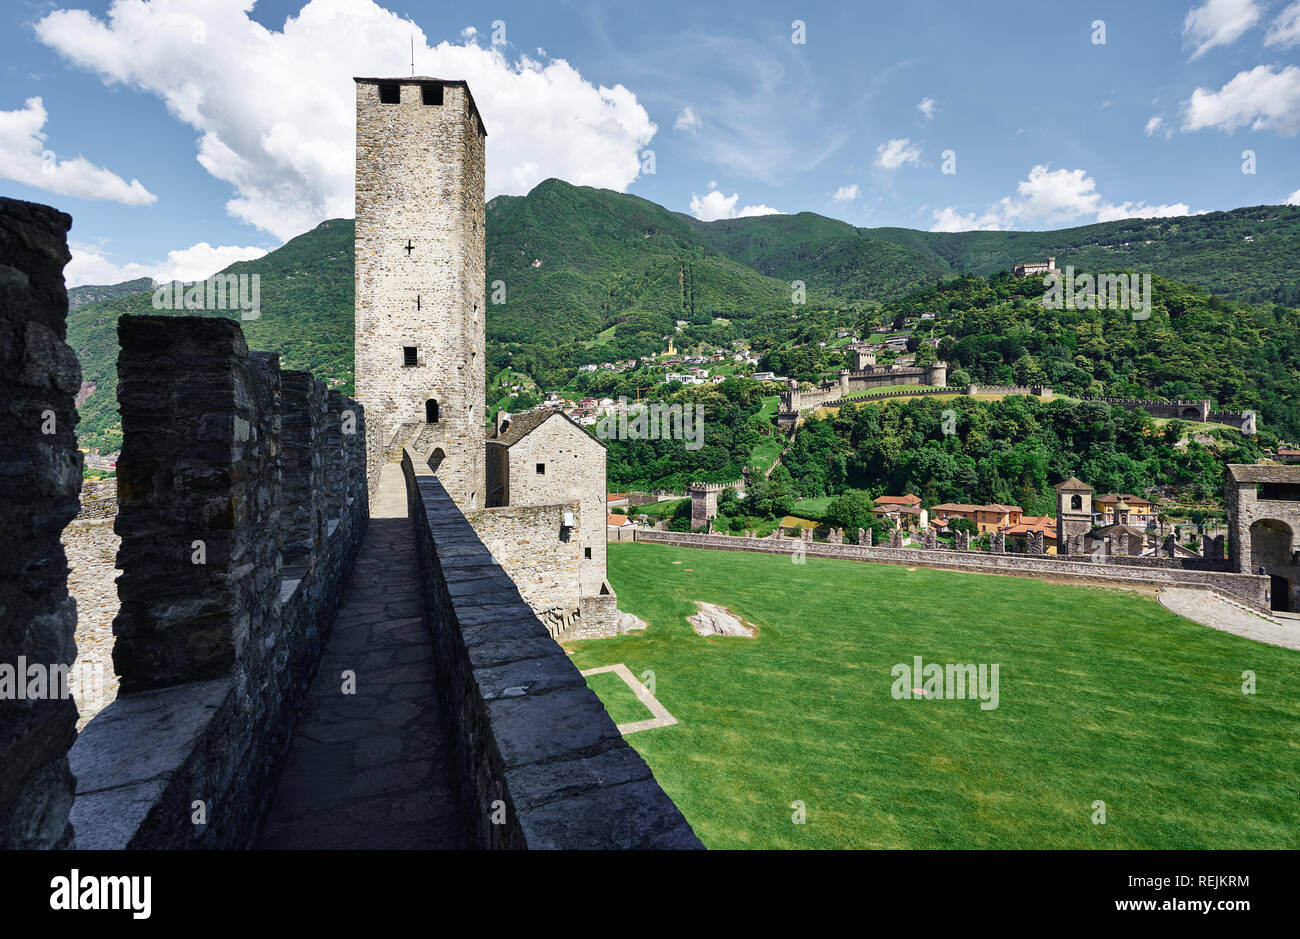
point(184, 135)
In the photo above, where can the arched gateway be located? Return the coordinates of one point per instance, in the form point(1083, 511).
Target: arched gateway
point(1263, 518)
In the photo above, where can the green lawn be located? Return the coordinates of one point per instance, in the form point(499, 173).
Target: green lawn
point(620, 701)
point(662, 509)
point(1104, 695)
point(768, 448)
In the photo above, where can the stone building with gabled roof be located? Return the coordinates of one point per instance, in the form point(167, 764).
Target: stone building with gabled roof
point(543, 459)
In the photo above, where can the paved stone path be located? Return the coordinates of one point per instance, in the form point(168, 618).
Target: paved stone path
point(661, 716)
point(1210, 609)
point(91, 546)
point(373, 769)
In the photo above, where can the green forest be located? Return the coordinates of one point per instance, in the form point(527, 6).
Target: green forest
point(589, 275)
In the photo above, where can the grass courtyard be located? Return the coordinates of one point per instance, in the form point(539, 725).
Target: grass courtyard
point(1104, 696)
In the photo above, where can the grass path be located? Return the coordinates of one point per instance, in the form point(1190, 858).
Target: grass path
point(1104, 695)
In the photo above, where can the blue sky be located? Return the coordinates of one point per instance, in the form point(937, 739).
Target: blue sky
point(182, 135)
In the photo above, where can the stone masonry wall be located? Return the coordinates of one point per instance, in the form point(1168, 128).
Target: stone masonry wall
point(420, 185)
point(40, 469)
point(575, 472)
point(527, 541)
point(227, 463)
point(1246, 588)
point(533, 744)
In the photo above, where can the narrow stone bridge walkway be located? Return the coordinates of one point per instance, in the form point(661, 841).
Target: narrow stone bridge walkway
point(373, 769)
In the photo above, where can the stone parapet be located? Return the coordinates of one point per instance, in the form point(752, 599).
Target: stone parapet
point(539, 759)
point(40, 468)
point(229, 468)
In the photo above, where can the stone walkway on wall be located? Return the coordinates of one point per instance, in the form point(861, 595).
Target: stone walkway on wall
point(1210, 609)
point(373, 769)
point(91, 547)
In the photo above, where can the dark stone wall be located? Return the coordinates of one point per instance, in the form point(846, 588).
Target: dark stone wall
point(220, 449)
point(534, 747)
point(40, 477)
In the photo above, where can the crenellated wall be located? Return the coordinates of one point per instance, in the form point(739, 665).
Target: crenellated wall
point(242, 494)
point(1174, 572)
point(538, 757)
point(40, 468)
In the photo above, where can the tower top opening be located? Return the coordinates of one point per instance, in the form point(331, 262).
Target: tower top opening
point(426, 80)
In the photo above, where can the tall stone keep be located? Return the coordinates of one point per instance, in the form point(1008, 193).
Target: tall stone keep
point(420, 269)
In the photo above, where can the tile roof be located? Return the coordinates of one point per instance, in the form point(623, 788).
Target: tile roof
point(519, 426)
point(908, 499)
point(1249, 473)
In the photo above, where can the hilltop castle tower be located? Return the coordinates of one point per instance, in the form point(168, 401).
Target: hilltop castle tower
point(420, 266)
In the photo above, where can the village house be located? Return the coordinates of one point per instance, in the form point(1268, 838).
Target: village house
point(992, 517)
point(1046, 524)
point(904, 511)
point(1140, 512)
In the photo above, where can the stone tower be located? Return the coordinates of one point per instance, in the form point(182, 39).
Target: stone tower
point(1073, 513)
point(420, 270)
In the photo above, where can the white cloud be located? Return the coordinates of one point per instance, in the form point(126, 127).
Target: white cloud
point(274, 109)
point(1294, 198)
point(688, 120)
point(1154, 125)
point(1218, 23)
point(1114, 213)
point(713, 205)
point(847, 193)
point(89, 265)
point(949, 219)
point(1262, 98)
point(469, 32)
point(897, 152)
point(1050, 198)
point(928, 106)
point(1285, 30)
point(25, 159)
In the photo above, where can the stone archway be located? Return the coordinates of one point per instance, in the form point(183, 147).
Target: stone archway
point(1272, 547)
point(1192, 413)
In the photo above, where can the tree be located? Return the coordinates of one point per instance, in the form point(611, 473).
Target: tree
point(851, 511)
point(963, 524)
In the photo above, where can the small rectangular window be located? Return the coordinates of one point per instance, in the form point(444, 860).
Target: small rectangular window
point(431, 93)
point(586, 553)
point(410, 357)
point(541, 469)
point(390, 93)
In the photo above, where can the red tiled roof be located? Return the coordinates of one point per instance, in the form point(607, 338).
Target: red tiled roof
point(1123, 496)
point(908, 499)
